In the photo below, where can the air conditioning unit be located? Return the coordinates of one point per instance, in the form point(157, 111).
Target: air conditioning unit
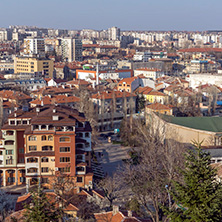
point(56, 169)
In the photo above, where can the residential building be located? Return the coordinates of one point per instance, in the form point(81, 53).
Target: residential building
point(156, 96)
point(34, 46)
point(114, 33)
point(142, 56)
point(159, 108)
point(71, 49)
point(111, 107)
point(33, 65)
point(45, 141)
point(149, 73)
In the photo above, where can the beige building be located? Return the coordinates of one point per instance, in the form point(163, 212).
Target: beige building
point(204, 130)
point(33, 65)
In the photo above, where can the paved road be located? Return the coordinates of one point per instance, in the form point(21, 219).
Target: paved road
point(111, 156)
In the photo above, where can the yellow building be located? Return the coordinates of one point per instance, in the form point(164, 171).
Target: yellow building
point(156, 96)
point(159, 108)
point(33, 64)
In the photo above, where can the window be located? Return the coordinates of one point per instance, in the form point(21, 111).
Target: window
point(64, 169)
point(32, 148)
point(64, 139)
point(8, 162)
point(86, 134)
point(11, 179)
point(45, 169)
point(9, 152)
point(64, 149)
point(32, 170)
point(47, 148)
point(44, 138)
point(22, 179)
point(44, 180)
point(50, 138)
point(19, 122)
point(9, 142)
point(32, 138)
point(9, 133)
point(64, 159)
point(45, 159)
point(79, 180)
point(80, 124)
point(32, 160)
point(21, 150)
point(12, 122)
point(79, 134)
point(24, 122)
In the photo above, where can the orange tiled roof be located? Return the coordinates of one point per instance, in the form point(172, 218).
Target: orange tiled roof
point(59, 99)
point(127, 80)
point(156, 93)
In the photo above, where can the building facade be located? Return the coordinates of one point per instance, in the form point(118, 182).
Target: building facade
point(44, 142)
point(34, 65)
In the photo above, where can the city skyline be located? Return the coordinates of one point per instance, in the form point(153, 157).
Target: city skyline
point(126, 14)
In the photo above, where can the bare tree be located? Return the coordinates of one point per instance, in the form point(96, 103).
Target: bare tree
point(158, 163)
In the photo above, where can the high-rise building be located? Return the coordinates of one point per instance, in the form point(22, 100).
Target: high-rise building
point(34, 47)
point(45, 141)
point(71, 49)
point(114, 33)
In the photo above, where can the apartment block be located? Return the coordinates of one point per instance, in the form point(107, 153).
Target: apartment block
point(71, 49)
point(34, 47)
point(34, 65)
point(44, 142)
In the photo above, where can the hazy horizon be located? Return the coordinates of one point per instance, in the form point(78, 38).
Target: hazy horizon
point(140, 15)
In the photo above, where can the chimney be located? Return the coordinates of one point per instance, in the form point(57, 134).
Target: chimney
point(115, 209)
point(42, 103)
point(15, 114)
point(130, 213)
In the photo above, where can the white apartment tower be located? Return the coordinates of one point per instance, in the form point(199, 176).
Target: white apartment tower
point(114, 33)
point(34, 46)
point(71, 49)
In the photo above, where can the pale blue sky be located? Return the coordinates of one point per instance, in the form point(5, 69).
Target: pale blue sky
point(102, 14)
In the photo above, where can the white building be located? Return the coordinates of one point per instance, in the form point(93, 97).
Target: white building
point(34, 46)
point(142, 56)
point(71, 49)
point(196, 80)
point(149, 73)
point(114, 33)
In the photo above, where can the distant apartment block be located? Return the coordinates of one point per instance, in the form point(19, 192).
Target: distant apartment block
point(34, 47)
point(71, 49)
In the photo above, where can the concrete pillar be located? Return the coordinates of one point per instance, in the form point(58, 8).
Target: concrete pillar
point(39, 127)
point(47, 127)
point(27, 184)
point(4, 178)
point(16, 176)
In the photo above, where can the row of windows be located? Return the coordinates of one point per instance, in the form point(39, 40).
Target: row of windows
point(50, 138)
point(44, 148)
point(43, 138)
point(64, 159)
point(35, 160)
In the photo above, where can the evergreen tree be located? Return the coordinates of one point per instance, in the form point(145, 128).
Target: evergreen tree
point(199, 197)
point(41, 209)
